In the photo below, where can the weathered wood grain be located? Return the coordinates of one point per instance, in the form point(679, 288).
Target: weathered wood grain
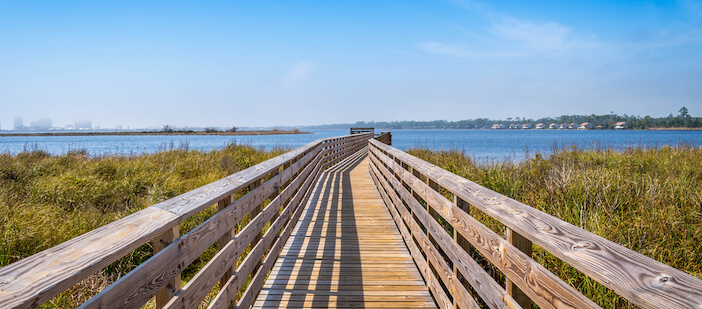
point(320, 258)
point(460, 295)
point(36, 279)
point(431, 281)
point(489, 290)
point(227, 294)
point(542, 286)
point(524, 245)
point(640, 279)
point(173, 286)
point(137, 286)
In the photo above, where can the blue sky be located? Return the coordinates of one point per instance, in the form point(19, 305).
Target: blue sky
point(265, 63)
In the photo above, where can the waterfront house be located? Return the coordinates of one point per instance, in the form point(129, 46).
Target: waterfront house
point(620, 125)
point(540, 126)
point(585, 126)
point(498, 126)
point(599, 127)
point(563, 126)
point(573, 125)
point(526, 126)
point(553, 126)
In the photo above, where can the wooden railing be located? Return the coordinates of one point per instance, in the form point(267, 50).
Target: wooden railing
point(412, 189)
point(275, 190)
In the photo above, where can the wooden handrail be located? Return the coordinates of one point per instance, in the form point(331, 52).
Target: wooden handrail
point(398, 175)
point(36, 279)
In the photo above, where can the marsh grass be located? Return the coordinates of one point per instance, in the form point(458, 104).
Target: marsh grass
point(46, 200)
point(648, 199)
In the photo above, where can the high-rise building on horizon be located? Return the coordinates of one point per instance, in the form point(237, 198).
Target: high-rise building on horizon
point(18, 124)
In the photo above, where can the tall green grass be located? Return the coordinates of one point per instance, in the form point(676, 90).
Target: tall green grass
point(46, 200)
point(648, 200)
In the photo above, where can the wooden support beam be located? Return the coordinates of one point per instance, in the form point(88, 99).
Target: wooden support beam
point(525, 246)
point(173, 285)
point(462, 242)
point(225, 239)
point(255, 213)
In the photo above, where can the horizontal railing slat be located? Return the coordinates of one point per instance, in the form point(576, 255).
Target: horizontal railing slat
point(542, 286)
point(489, 290)
point(248, 264)
point(38, 278)
point(461, 296)
point(432, 282)
point(640, 279)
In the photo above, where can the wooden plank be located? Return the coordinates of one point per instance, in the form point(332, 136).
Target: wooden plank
point(36, 279)
point(431, 281)
point(461, 241)
point(333, 251)
point(460, 295)
point(227, 295)
point(542, 286)
point(137, 284)
point(524, 245)
point(221, 205)
point(173, 285)
point(489, 290)
point(640, 279)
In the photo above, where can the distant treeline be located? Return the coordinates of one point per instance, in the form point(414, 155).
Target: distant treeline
point(681, 120)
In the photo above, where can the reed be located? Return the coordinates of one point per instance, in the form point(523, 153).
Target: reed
point(646, 199)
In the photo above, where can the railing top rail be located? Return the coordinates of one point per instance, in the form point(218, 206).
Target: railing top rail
point(640, 279)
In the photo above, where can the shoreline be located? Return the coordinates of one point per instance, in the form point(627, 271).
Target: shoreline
point(242, 133)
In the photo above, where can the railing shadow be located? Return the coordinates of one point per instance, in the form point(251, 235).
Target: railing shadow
point(321, 262)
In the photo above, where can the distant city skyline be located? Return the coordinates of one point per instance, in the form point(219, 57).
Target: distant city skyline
point(278, 63)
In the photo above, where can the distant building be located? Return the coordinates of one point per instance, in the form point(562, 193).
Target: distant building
point(620, 125)
point(585, 126)
point(83, 125)
point(573, 126)
point(526, 126)
point(540, 126)
point(563, 126)
point(599, 127)
point(18, 124)
point(498, 126)
point(553, 126)
point(40, 124)
point(515, 126)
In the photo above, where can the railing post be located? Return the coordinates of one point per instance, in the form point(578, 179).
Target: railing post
point(461, 241)
point(224, 240)
point(173, 286)
point(275, 194)
point(525, 246)
point(435, 186)
point(257, 210)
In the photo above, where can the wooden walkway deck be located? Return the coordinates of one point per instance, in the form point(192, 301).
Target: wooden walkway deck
point(345, 251)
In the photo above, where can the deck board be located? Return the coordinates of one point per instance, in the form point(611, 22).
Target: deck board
point(345, 251)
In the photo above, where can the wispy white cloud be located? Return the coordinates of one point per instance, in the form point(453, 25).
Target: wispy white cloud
point(511, 37)
point(298, 74)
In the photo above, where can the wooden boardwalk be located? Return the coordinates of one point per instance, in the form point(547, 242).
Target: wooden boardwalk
point(345, 251)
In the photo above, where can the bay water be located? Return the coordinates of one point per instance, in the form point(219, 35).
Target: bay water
point(482, 144)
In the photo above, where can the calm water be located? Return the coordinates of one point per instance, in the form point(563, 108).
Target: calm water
point(483, 144)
